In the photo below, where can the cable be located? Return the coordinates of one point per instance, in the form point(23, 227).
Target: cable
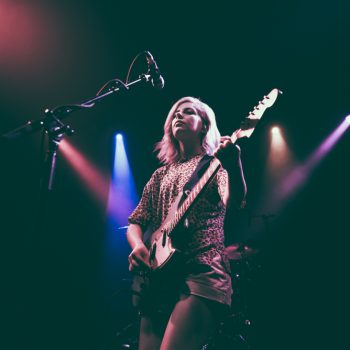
point(120, 82)
point(116, 80)
point(132, 63)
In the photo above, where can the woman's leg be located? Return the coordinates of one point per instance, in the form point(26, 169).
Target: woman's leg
point(190, 325)
point(151, 332)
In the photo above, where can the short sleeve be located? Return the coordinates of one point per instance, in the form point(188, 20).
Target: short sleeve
point(147, 207)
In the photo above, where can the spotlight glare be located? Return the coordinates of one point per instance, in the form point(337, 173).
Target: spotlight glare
point(347, 118)
point(91, 176)
point(119, 137)
point(275, 130)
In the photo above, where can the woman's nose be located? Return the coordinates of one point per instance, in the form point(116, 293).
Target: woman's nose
point(178, 115)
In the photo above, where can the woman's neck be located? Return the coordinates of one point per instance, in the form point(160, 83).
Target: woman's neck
point(190, 150)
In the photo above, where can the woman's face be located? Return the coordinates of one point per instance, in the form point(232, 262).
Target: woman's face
point(186, 122)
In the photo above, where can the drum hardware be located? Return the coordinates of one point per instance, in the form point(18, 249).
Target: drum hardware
point(127, 337)
point(239, 251)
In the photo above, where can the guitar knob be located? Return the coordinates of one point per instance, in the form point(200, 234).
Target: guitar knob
point(186, 223)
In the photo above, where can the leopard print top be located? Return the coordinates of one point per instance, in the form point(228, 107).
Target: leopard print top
point(205, 234)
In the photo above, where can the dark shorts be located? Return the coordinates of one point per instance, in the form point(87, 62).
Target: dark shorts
point(159, 293)
point(212, 282)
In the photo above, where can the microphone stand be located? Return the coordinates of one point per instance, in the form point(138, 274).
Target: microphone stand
point(52, 125)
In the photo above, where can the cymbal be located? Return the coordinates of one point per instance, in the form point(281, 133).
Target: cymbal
point(239, 251)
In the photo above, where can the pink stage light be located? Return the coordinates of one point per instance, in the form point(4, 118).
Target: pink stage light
point(280, 158)
point(27, 30)
point(94, 180)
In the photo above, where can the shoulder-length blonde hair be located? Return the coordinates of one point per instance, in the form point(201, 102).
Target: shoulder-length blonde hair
point(168, 148)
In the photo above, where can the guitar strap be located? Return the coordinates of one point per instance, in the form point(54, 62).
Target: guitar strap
point(202, 166)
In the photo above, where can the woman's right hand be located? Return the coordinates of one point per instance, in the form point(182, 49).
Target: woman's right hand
point(139, 258)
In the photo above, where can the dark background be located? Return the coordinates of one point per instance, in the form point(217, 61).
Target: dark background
point(62, 288)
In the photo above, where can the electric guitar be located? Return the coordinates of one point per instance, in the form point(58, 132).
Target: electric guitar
point(159, 242)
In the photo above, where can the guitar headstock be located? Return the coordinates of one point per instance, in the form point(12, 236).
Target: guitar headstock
point(258, 110)
point(270, 99)
point(249, 123)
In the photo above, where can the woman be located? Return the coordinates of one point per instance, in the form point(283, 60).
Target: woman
point(180, 310)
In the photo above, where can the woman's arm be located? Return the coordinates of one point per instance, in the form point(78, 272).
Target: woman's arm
point(139, 256)
point(229, 155)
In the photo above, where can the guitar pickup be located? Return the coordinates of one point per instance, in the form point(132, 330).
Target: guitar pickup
point(164, 239)
point(153, 252)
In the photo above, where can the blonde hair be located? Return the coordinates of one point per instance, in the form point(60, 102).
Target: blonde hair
point(168, 147)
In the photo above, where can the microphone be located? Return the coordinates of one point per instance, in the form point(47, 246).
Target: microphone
point(156, 78)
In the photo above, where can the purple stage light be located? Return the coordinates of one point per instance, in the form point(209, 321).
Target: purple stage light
point(299, 175)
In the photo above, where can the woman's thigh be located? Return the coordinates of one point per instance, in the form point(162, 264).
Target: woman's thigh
point(151, 332)
point(191, 323)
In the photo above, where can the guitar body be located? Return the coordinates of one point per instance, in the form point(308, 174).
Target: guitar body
point(159, 244)
point(165, 260)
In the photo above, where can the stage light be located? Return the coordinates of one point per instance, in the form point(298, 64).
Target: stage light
point(280, 155)
point(275, 130)
point(122, 201)
point(280, 160)
point(122, 192)
point(94, 179)
point(301, 174)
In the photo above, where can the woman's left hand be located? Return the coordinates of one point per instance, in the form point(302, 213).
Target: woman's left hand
point(228, 153)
